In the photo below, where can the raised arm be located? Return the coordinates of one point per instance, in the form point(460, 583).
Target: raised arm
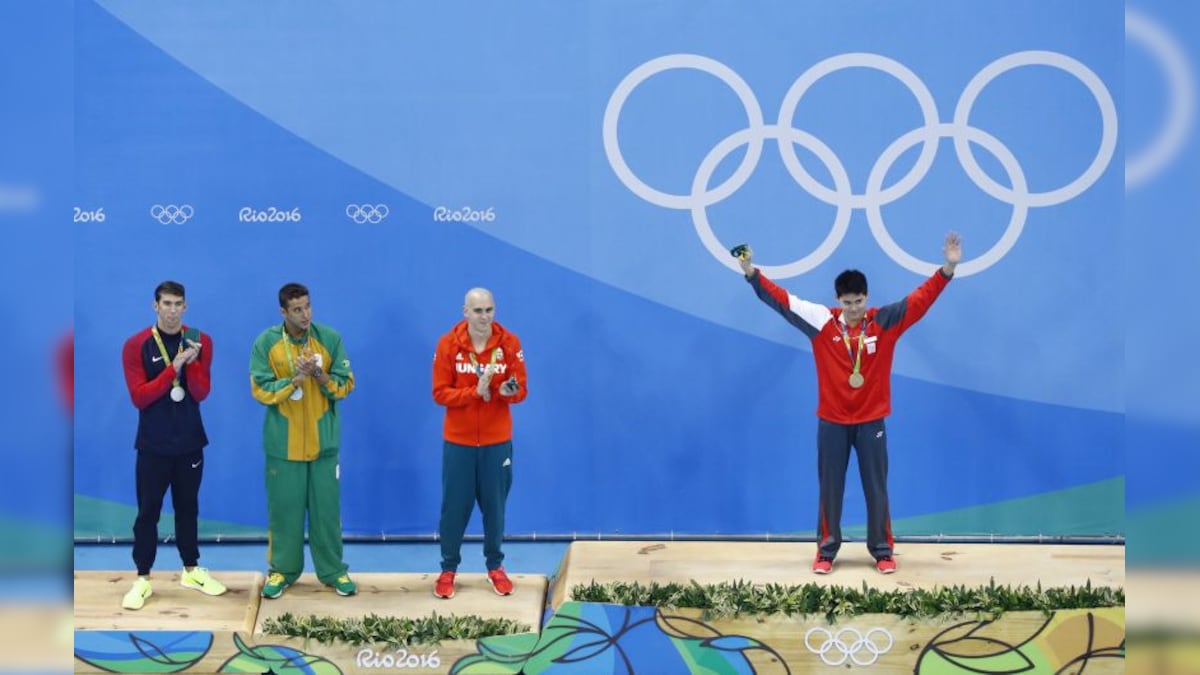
point(809, 317)
point(900, 315)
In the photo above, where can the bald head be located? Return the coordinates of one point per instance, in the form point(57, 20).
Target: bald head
point(478, 295)
point(479, 308)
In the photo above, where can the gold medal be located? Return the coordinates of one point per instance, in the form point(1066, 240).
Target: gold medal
point(856, 378)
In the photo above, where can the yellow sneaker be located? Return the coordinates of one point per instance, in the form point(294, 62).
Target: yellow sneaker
point(136, 597)
point(276, 584)
point(200, 580)
point(344, 586)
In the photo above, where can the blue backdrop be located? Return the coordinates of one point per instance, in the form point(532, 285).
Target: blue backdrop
point(1160, 238)
point(590, 162)
point(36, 182)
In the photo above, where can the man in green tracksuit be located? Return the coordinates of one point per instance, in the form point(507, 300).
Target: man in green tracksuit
point(299, 370)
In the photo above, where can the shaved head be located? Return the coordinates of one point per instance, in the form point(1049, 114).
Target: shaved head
point(478, 295)
point(479, 308)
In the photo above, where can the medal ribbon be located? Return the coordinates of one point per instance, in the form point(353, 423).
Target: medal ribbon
point(162, 349)
point(855, 359)
point(287, 347)
point(479, 368)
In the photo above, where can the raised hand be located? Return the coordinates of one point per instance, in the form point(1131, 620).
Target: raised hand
point(952, 249)
point(745, 256)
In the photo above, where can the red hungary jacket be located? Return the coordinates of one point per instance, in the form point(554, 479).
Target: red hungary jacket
point(469, 419)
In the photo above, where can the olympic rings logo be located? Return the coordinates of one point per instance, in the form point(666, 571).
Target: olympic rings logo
point(367, 213)
point(876, 194)
point(834, 650)
point(172, 214)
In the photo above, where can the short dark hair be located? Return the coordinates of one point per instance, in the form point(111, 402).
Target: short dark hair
point(170, 288)
point(291, 291)
point(850, 282)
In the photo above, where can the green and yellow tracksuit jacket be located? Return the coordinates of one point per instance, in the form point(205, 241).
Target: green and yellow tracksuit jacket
point(305, 429)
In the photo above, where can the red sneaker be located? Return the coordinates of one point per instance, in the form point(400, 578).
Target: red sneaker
point(444, 588)
point(500, 581)
point(886, 565)
point(823, 565)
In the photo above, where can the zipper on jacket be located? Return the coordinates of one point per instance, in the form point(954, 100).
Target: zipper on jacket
point(479, 409)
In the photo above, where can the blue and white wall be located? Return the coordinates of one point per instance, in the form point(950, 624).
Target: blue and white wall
point(591, 163)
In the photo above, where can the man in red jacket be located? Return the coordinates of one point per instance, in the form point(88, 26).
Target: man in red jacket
point(167, 370)
point(478, 372)
point(853, 348)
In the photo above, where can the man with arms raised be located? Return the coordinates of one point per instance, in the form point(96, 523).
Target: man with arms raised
point(853, 348)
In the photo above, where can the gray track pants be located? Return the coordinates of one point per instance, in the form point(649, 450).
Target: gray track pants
point(834, 441)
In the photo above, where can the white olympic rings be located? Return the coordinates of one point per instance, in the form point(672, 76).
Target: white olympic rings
point(366, 213)
point(875, 195)
point(834, 650)
point(172, 213)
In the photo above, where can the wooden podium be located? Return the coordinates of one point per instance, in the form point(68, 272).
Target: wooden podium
point(181, 630)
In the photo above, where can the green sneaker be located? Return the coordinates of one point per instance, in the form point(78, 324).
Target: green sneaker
point(344, 586)
point(200, 580)
point(136, 597)
point(275, 586)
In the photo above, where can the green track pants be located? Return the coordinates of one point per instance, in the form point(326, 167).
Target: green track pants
point(296, 490)
point(474, 474)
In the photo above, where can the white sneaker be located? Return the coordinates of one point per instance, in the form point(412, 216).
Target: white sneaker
point(200, 580)
point(136, 597)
